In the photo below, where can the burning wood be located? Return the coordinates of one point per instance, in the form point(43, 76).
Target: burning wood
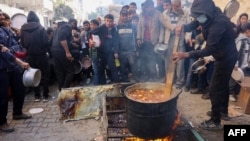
point(138, 139)
point(117, 126)
point(168, 138)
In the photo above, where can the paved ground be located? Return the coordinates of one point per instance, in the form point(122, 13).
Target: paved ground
point(194, 109)
point(46, 126)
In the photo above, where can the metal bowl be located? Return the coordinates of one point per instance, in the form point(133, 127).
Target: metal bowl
point(160, 48)
point(32, 77)
point(77, 65)
point(199, 66)
point(237, 74)
point(86, 63)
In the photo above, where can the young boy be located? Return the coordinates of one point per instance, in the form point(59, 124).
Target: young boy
point(243, 62)
point(93, 51)
point(108, 50)
point(127, 45)
point(85, 50)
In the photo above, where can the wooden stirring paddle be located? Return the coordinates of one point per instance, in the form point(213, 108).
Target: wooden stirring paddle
point(170, 74)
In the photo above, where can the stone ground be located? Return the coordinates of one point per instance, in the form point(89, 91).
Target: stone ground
point(46, 126)
point(194, 109)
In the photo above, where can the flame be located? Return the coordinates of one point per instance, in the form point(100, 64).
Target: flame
point(168, 138)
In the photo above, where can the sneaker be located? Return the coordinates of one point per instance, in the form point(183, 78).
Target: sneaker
point(205, 96)
point(222, 116)
point(21, 116)
point(198, 91)
point(6, 128)
point(225, 117)
point(37, 99)
point(186, 89)
point(210, 125)
point(88, 81)
point(46, 99)
point(108, 81)
point(233, 98)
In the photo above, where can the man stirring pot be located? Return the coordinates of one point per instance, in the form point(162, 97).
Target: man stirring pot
point(219, 35)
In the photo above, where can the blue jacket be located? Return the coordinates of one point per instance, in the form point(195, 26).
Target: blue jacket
point(7, 59)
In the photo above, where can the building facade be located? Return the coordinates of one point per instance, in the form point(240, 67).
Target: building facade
point(18, 9)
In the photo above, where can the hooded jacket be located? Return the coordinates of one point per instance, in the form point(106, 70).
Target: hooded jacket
point(34, 37)
point(217, 31)
point(32, 17)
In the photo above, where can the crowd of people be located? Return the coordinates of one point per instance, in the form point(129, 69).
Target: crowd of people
point(219, 33)
point(126, 52)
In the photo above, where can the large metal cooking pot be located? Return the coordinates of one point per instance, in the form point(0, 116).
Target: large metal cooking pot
point(151, 120)
point(31, 77)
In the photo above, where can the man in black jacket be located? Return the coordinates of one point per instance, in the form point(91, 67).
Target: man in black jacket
point(35, 39)
point(219, 35)
point(62, 56)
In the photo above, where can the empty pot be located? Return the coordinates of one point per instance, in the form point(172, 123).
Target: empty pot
point(160, 48)
point(77, 65)
point(86, 63)
point(31, 77)
point(199, 66)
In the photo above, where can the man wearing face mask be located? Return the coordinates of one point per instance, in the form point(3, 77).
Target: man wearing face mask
point(219, 35)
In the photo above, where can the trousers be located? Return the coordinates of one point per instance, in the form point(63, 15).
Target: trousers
point(11, 80)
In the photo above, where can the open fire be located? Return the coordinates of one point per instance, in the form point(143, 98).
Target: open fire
point(138, 139)
point(116, 125)
point(168, 138)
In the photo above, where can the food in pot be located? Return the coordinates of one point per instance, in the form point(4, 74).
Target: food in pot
point(148, 95)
